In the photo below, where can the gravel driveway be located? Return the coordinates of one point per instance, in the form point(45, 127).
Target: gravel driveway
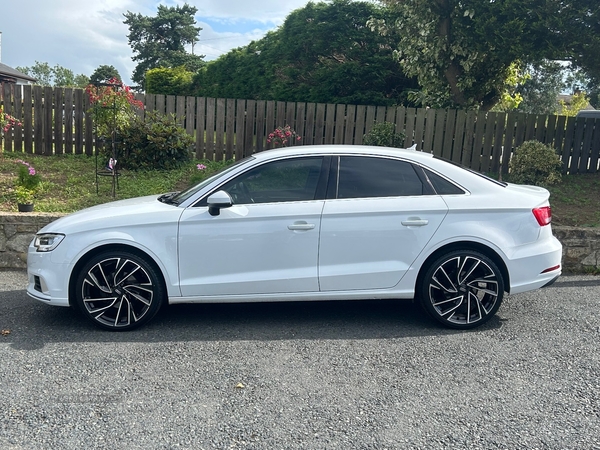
point(343, 375)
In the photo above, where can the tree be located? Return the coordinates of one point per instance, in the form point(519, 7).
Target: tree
point(167, 81)
point(542, 87)
point(56, 76)
point(104, 73)
point(461, 51)
point(323, 53)
point(42, 72)
point(160, 41)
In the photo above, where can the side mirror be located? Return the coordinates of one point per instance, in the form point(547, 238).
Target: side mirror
point(218, 200)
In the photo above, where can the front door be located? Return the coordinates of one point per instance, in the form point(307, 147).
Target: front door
point(266, 243)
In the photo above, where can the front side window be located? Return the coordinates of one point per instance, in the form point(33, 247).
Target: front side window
point(362, 176)
point(289, 180)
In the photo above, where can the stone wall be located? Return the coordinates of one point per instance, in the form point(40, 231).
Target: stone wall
point(581, 246)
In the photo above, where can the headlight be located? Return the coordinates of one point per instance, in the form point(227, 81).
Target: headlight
point(47, 242)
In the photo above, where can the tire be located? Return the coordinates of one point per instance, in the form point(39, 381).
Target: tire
point(462, 289)
point(119, 291)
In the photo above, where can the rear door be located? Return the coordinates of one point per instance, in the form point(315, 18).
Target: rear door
point(379, 215)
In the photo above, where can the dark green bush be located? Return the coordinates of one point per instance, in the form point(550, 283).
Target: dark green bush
point(156, 142)
point(535, 163)
point(383, 134)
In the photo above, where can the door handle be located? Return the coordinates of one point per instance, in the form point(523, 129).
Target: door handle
point(301, 226)
point(414, 222)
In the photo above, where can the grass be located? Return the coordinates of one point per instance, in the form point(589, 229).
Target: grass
point(69, 181)
point(69, 184)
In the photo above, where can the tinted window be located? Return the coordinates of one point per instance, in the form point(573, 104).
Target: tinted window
point(441, 185)
point(362, 176)
point(289, 180)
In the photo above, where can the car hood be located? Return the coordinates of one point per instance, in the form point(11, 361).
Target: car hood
point(122, 213)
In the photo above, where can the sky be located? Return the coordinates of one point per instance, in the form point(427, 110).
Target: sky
point(81, 35)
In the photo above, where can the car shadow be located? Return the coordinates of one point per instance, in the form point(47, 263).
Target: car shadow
point(31, 324)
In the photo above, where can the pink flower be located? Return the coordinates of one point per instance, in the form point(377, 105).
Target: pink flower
point(201, 166)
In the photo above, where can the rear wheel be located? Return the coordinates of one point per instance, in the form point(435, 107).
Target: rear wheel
point(462, 289)
point(119, 291)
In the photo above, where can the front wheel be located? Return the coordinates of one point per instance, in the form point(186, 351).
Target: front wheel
point(119, 291)
point(462, 289)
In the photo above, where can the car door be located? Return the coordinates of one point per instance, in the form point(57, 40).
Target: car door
point(379, 215)
point(266, 242)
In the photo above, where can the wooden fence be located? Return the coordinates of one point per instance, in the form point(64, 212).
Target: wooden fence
point(55, 122)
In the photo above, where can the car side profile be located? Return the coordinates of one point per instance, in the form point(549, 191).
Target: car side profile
point(305, 223)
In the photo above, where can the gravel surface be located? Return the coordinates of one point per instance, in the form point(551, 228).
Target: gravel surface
point(327, 375)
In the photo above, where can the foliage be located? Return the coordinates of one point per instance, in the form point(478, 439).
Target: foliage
point(56, 76)
point(103, 74)
point(169, 81)
point(281, 136)
point(535, 163)
point(578, 80)
point(578, 102)
point(160, 41)
point(156, 142)
point(462, 52)
point(323, 53)
point(27, 182)
point(113, 107)
point(511, 98)
point(7, 122)
point(383, 134)
point(23, 195)
point(540, 90)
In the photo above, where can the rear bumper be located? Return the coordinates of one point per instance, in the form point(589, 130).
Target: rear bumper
point(528, 266)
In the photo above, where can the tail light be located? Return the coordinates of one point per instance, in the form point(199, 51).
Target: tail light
point(543, 215)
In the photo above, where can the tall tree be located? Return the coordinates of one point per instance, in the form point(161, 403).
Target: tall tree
point(462, 50)
point(323, 53)
point(160, 41)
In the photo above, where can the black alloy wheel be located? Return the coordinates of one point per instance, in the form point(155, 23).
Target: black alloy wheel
point(119, 291)
point(462, 289)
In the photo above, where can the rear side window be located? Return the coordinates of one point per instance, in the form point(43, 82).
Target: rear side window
point(363, 176)
point(441, 185)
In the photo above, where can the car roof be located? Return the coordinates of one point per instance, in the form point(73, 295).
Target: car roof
point(345, 150)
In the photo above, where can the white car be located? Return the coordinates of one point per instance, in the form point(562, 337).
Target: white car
point(305, 223)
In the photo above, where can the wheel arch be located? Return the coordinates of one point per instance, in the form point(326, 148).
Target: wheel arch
point(466, 245)
point(107, 247)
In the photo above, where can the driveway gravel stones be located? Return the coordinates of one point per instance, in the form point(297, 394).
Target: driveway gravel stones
point(323, 375)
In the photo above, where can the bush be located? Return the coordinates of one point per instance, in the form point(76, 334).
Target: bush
point(156, 142)
point(384, 134)
point(535, 163)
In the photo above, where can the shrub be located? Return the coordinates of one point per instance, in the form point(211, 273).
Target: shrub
point(384, 134)
point(535, 163)
point(281, 136)
point(156, 142)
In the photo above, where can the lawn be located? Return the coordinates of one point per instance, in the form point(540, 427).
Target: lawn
point(69, 184)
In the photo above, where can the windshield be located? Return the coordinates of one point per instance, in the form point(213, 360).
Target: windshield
point(192, 190)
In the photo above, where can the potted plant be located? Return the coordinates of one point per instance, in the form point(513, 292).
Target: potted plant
point(26, 186)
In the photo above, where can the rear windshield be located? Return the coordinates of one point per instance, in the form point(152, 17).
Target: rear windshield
point(499, 183)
